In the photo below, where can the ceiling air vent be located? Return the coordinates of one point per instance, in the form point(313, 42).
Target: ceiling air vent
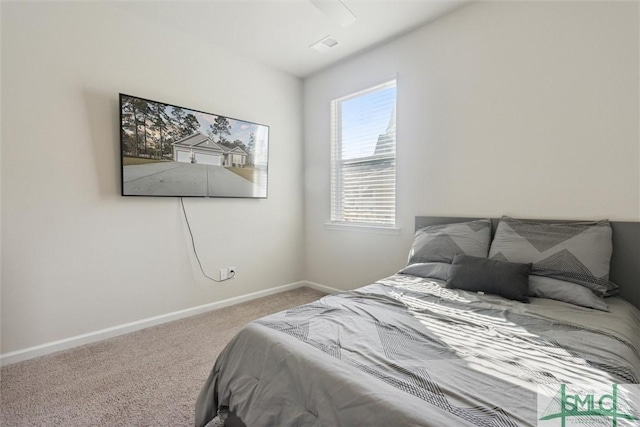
point(324, 44)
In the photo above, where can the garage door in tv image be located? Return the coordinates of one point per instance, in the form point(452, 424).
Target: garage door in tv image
point(175, 151)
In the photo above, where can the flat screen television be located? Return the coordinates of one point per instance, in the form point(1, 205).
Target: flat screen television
point(173, 151)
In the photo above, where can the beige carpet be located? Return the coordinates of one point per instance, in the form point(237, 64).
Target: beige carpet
point(150, 377)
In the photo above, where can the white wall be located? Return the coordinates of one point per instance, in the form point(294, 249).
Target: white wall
point(527, 109)
point(77, 257)
point(522, 108)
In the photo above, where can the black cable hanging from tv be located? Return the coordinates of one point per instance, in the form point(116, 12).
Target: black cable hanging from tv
point(195, 251)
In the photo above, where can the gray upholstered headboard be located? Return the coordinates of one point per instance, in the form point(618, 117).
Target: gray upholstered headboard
point(625, 261)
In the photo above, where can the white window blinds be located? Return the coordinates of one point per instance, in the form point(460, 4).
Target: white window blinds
point(363, 160)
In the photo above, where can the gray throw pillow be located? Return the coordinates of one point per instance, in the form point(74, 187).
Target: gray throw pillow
point(428, 270)
point(507, 279)
point(548, 287)
point(441, 243)
point(577, 252)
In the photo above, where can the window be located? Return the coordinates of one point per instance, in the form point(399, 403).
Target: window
point(363, 160)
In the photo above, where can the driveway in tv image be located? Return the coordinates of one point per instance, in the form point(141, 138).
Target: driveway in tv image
point(186, 179)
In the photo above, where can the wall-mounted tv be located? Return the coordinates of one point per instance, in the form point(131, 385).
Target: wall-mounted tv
point(173, 151)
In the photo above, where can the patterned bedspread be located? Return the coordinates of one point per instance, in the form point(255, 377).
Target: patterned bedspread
point(407, 351)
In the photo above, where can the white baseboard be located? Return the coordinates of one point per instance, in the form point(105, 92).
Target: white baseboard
point(321, 288)
point(78, 340)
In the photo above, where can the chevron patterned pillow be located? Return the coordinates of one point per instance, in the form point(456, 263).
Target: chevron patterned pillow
point(577, 252)
point(441, 243)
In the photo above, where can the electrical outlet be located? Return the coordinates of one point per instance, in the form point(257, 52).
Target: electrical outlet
point(224, 273)
point(232, 272)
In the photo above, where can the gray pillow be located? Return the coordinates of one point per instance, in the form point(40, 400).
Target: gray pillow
point(577, 252)
point(547, 287)
point(428, 270)
point(441, 243)
point(507, 279)
point(612, 289)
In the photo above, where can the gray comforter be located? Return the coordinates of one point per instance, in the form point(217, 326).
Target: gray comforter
point(406, 351)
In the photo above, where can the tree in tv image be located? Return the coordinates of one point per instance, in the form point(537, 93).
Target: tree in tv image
point(174, 151)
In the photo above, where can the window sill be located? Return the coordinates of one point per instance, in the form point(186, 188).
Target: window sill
point(361, 228)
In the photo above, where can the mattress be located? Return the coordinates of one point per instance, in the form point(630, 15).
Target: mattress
point(408, 351)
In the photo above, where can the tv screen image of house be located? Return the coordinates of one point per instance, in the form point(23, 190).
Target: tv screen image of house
point(169, 150)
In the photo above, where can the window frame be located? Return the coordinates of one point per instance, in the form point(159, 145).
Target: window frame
point(338, 162)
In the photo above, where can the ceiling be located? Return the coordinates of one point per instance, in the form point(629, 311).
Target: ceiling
point(279, 33)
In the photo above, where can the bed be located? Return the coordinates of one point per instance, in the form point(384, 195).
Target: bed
point(424, 347)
